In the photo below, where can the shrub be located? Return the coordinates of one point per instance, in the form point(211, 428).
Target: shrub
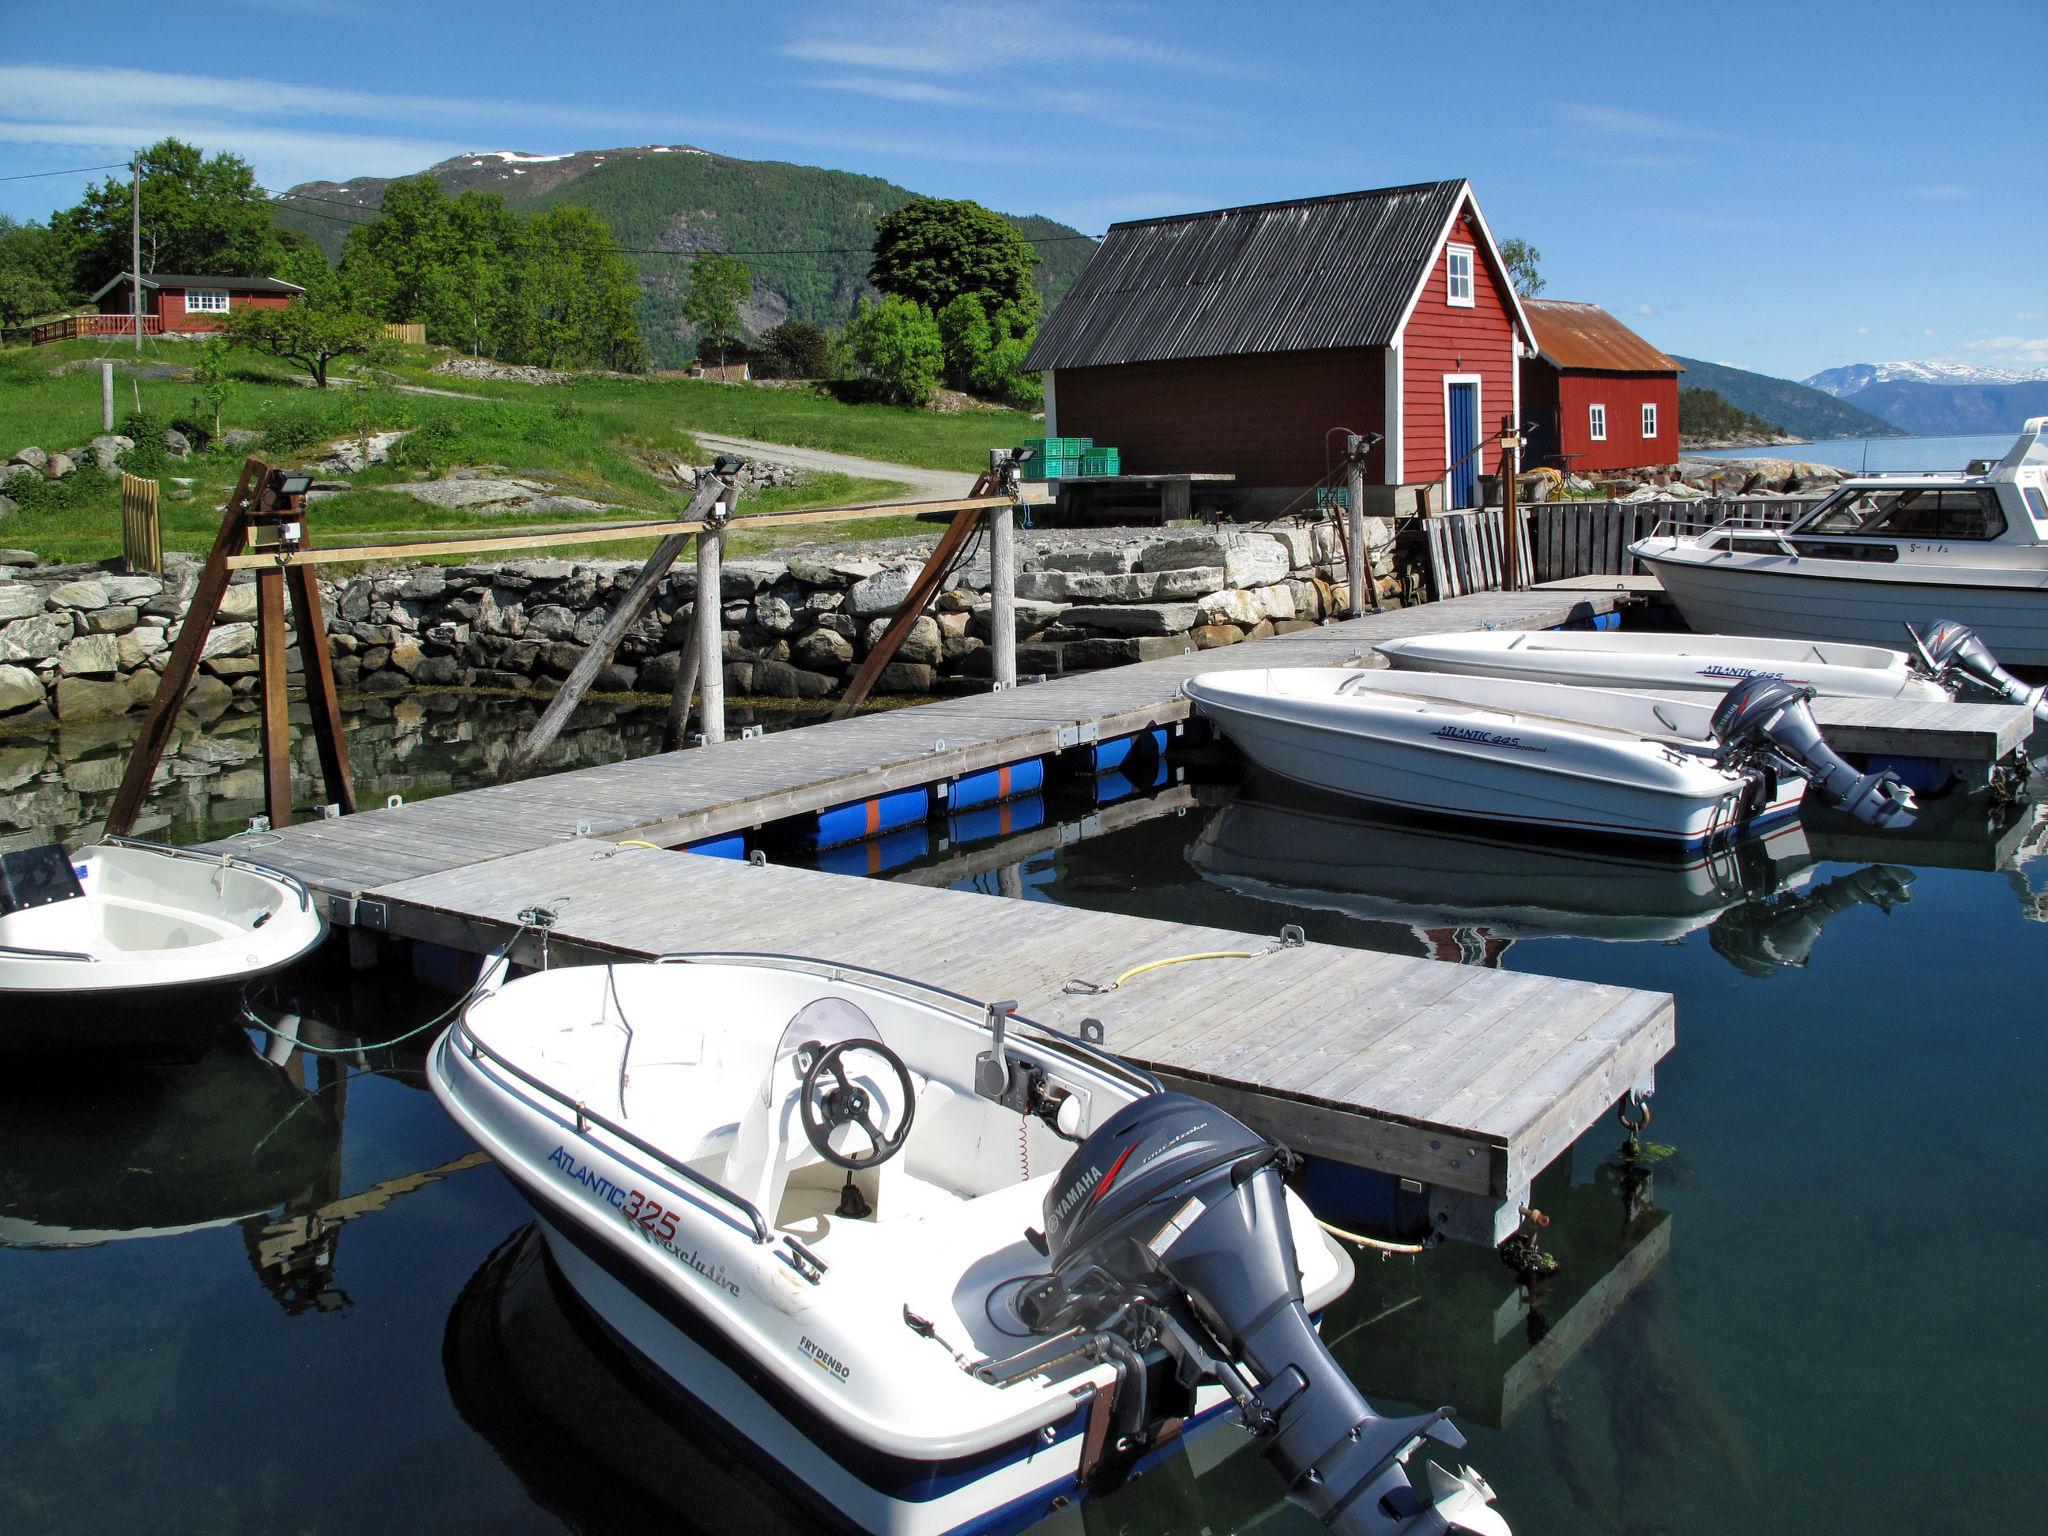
point(896, 345)
point(147, 456)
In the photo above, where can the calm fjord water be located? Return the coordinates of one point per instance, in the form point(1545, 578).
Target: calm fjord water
point(250, 1297)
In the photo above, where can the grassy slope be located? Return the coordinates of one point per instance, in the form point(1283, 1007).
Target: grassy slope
point(583, 435)
point(1804, 412)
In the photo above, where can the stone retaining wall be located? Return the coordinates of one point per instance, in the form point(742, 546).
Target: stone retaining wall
point(76, 643)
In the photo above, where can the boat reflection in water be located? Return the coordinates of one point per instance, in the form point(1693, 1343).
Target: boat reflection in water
point(241, 1137)
point(1468, 895)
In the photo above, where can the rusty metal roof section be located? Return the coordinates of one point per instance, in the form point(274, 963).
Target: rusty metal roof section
point(1273, 277)
point(1570, 334)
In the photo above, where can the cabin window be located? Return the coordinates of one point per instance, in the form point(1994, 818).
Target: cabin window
point(1649, 421)
point(1596, 422)
point(1459, 259)
point(2037, 504)
point(206, 301)
point(1914, 512)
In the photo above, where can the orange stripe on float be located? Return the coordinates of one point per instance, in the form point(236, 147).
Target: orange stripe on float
point(874, 812)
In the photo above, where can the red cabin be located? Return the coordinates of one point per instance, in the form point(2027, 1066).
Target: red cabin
point(1240, 340)
point(176, 302)
point(1597, 397)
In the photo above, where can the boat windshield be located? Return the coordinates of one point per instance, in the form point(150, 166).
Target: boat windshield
point(1910, 512)
point(824, 1021)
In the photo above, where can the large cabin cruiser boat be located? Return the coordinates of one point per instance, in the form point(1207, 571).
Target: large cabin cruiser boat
point(1882, 551)
point(940, 1268)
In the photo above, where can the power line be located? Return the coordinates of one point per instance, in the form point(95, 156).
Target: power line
point(81, 170)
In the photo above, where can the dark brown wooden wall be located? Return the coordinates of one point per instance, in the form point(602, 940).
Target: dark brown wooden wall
point(1260, 417)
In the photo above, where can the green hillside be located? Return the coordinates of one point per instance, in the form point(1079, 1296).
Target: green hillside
point(804, 232)
point(1791, 407)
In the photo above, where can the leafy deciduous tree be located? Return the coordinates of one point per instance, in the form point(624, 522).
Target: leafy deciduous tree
point(796, 349)
point(719, 285)
point(24, 295)
point(200, 213)
point(934, 249)
point(1522, 259)
point(896, 345)
point(211, 380)
point(572, 298)
point(444, 262)
point(309, 335)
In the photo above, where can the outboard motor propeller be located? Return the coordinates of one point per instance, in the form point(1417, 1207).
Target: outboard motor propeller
point(1956, 656)
point(1169, 1226)
point(1767, 719)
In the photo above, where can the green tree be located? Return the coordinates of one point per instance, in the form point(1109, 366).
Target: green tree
point(200, 213)
point(572, 295)
point(309, 335)
point(24, 296)
point(966, 336)
point(719, 285)
point(306, 264)
point(934, 249)
point(796, 349)
point(212, 380)
point(1001, 375)
point(1522, 259)
point(444, 262)
point(34, 250)
point(895, 344)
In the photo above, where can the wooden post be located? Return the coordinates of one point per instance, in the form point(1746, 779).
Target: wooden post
point(277, 730)
point(135, 253)
point(676, 730)
point(321, 700)
point(106, 397)
point(1357, 568)
point(597, 656)
point(710, 643)
point(184, 663)
point(1002, 594)
point(1511, 542)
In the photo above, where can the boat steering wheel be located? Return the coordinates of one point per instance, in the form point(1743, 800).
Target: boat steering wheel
point(845, 1102)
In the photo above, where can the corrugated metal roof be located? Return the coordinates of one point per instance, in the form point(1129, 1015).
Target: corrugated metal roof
point(1570, 334)
point(1275, 277)
point(201, 280)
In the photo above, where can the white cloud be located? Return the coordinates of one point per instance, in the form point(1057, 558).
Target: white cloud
point(1862, 330)
point(1651, 161)
point(1646, 309)
point(1626, 123)
point(2026, 314)
point(967, 40)
point(1927, 333)
point(2017, 351)
point(280, 155)
point(901, 90)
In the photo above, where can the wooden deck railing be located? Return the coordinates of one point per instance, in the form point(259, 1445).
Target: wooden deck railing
point(70, 327)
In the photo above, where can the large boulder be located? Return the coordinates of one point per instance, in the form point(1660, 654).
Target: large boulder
point(1135, 618)
point(18, 602)
point(106, 451)
point(176, 444)
point(823, 650)
point(36, 638)
point(90, 656)
point(8, 507)
point(32, 456)
point(19, 689)
point(58, 466)
point(921, 644)
point(881, 593)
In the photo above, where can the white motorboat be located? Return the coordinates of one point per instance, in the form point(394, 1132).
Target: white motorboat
point(1666, 663)
point(1543, 755)
point(940, 1269)
point(137, 947)
point(1880, 551)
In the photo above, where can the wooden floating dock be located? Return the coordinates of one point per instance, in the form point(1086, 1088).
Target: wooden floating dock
point(1465, 1080)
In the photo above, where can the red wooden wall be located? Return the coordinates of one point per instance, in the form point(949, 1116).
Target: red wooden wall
point(1442, 339)
point(1624, 395)
point(1261, 417)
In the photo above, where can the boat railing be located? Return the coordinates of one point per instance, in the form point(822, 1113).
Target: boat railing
point(1722, 532)
point(46, 954)
point(223, 860)
point(1108, 1061)
point(586, 1117)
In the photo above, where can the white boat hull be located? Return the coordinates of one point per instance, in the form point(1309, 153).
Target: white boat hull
point(1736, 593)
point(1537, 755)
point(1665, 663)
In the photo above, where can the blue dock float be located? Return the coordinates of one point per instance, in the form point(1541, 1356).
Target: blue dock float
point(860, 820)
point(733, 847)
point(1009, 781)
point(999, 820)
point(877, 855)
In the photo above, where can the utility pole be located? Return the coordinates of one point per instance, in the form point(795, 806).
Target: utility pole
point(1511, 531)
point(135, 251)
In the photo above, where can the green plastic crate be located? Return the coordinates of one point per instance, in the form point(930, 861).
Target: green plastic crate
point(1101, 461)
point(1043, 448)
point(1054, 468)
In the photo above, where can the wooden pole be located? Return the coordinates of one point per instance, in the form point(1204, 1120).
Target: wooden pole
point(277, 729)
point(1511, 541)
point(318, 660)
point(1357, 569)
point(135, 254)
point(598, 654)
point(1002, 595)
point(676, 730)
point(106, 397)
point(710, 644)
point(184, 663)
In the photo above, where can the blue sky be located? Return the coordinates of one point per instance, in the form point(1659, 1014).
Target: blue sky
point(1781, 187)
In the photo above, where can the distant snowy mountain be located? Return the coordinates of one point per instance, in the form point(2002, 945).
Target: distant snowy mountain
point(1940, 399)
point(1857, 377)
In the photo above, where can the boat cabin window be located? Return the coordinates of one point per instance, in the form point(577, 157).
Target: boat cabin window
point(1914, 512)
point(2036, 504)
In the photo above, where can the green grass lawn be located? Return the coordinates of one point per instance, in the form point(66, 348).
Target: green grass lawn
point(592, 438)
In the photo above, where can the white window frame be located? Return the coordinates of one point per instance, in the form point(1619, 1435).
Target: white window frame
point(200, 301)
point(1471, 264)
point(1596, 423)
point(1650, 419)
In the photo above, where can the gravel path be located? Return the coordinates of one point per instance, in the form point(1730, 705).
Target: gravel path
point(925, 484)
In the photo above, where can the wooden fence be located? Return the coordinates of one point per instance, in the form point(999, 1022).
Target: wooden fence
point(1563, 539)
point(142, 533)
point(412, 332)
point(71, 327)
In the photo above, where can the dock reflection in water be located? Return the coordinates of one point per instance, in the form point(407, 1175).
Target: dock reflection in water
point(1469, 895)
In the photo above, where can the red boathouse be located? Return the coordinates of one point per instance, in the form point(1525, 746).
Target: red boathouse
point(1597, 397)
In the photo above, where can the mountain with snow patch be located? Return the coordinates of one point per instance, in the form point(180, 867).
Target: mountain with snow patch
point(1940, 399)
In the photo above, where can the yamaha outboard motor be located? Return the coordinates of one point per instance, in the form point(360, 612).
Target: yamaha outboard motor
point(1169, 1226)
point(1766, 721)
point(1956, 657)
